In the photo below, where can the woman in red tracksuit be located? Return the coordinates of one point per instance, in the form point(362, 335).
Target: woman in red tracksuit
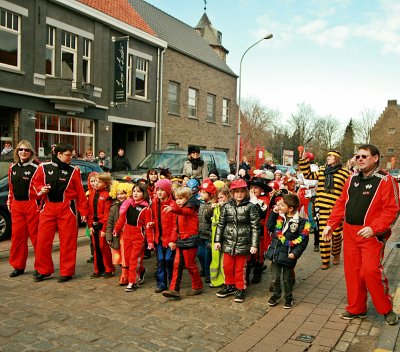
point(99, 203)
point(23, 206)
point(185, 231)
point(135, 218)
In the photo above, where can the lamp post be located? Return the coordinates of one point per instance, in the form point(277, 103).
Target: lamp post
point(268, 36)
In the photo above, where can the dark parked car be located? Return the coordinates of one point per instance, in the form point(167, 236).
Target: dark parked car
point(86, 168)
point(174, 159)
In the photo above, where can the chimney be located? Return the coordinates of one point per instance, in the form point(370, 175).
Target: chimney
point(392, 102)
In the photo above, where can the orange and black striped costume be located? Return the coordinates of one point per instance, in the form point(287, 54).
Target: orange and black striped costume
point(324, 203)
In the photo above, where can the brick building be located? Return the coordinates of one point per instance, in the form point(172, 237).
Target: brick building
point(386, 135)
point(198, 100)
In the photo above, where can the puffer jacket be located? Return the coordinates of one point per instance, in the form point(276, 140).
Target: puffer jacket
point(205, 215)
point(238, 227)
point(295, 240)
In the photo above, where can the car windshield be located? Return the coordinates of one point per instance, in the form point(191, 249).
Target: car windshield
point(172, 161)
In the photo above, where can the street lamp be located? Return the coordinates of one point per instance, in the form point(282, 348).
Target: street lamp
point(268, 36)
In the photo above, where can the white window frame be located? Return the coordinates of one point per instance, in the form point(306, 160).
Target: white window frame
point(211, 107)
point(72, 49)
point(51, 47)
point(87, 57)
point(142, 67)
point(175, 103)
point(129, 80)
point(9, 27)
point(226, 110)
point(192, 102)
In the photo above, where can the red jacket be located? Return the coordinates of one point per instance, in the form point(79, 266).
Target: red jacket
point(168, 221)
point(381, 208)
point(144, 217)
point(103, 208)
point(187, 221)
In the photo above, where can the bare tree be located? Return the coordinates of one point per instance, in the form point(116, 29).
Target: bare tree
point(363, 125)
point(326, 135)
point(302, 123)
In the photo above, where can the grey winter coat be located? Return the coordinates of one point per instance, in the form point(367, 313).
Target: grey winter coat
point(205, 215)
point(112, 219)
point(201, 172)
point(238, 227)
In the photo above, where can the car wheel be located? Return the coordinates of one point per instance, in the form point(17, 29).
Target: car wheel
point(5, 225)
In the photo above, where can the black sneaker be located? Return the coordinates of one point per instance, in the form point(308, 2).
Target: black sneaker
point(64, 278)
point(240, 296)
point(227, 290)
point(141, 278)
point(391, 318)
point(288, 303)
point(130, 288)
point(90, 260)
point(273, 301)
point(108, 275)
point(349, 316)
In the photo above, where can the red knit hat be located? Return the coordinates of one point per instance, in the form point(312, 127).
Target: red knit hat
point(208, 186)
point(165, 185)
point(239, 183)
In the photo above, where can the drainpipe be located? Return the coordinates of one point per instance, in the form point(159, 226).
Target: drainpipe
point(159, 103)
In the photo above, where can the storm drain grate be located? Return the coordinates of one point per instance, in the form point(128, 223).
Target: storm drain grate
point(305, 338)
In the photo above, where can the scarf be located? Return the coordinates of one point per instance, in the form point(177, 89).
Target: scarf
point(329, 171)
point(281, 237)
point(196, 163)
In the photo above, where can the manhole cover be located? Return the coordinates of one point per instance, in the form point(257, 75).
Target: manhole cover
point(305, 338)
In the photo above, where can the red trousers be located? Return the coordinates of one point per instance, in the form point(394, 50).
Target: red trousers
point(364, 271)
point(25, 220)
point(102, 259)
point(134, 243)
point(53, 217)
point(185, 258)
point(235, 270)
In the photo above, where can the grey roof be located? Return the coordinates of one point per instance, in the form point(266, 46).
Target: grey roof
point(179, 36)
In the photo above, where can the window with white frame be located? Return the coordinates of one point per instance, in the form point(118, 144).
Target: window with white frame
point(50, 50)
point(141, 79)
point(391, 130)
point(211, 107)
point(129, 80)
point(226, 110)
point(86, 60)
point(390, 150)
point(192, 102)
point(10, 39)
point(68, 55)
point(173, 98)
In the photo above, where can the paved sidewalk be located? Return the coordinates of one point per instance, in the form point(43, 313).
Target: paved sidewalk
point(97, 315)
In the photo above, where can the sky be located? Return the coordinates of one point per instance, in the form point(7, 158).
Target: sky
point(342, 57)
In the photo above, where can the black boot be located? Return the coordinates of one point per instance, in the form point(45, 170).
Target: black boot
point(257, 275)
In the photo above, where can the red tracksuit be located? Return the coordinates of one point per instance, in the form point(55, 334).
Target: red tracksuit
point(134, 218)
point(99, 209)
point(59, 213)
point(187, 224)
point(370, 202)
point(22, 201)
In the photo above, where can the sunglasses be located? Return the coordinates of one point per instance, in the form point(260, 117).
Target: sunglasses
point(362, 156)
point(23, 150)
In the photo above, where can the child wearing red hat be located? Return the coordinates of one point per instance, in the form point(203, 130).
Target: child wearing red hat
point(237, 236)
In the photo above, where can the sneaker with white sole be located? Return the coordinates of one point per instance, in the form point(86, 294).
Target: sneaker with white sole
point(273, 301)
point(226, 291)
point(288, 303)
point(350, 316)
point(391, 318)
point(240, 296)
point(141, 276)
point(130, 288)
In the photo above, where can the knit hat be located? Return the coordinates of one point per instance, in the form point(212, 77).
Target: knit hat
point(208, 186)
point(239, 183)
point(165, 185)
point(214, 172)
point(219, 184)
point(193, 149)
point(335, 153)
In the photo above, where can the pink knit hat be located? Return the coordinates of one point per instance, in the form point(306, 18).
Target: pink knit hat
point(165, 185)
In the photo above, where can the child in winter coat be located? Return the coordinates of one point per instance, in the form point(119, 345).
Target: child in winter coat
point(119, 191)
point(91, 188)
point(163, 224)
point(135, 214)
point(237, 236)
point(185, 240)
point(207, 198)
point(289, 240)
point(217, 276)
point(99, 203)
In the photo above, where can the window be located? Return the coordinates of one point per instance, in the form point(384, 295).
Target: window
point(68, 55)
point(192, 103)
point(210, 107)
point(10, 39)
point(390, 150)
point(51, 32)
point(142, 66)
point(226, 110)
point(130, 75)
point(173, 98)
point(86, 58)
point(391, 130)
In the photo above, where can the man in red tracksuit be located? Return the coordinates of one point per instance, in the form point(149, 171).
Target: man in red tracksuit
point(60, 185)
point(369, 205)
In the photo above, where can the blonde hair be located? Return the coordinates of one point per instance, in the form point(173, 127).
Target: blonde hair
point(22, 144)
point(105, 177)
point(117, 187)
point(226, 192)
point(183, 192)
